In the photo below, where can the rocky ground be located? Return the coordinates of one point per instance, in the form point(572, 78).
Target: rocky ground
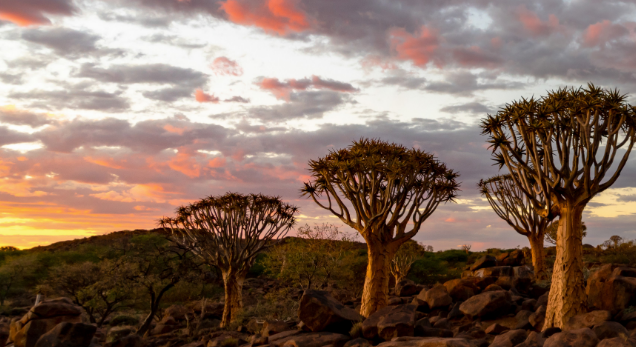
point(496, 303)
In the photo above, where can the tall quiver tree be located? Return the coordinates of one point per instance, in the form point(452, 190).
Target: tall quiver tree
point(228, 232)
point(385, 192)
point(574, 143)
point(511, 204)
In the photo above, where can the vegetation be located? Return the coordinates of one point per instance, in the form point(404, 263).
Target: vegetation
point(387, 188)
point(404, 258)
point(564, 146)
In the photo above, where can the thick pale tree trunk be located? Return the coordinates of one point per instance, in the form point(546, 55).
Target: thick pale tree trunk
point(538, 262)
point(376, 281)
point(567, 293)
point(233, 284)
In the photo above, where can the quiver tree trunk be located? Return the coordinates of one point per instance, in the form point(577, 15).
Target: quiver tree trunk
point(233, 285)
point(567, 292)
point(538, 262)
point(376, 282)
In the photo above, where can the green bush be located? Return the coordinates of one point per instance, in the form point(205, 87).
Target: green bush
point(452, 256)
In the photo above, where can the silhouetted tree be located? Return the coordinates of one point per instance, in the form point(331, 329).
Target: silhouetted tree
point(512, 204)
point(228, 232)
point(466, 248)
point(380, 189)
point(567, 142)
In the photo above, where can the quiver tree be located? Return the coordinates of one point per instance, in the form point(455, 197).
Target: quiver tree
point(512, 204)
point(385, 192)
point(404, 258)
point(552, 230)
point(228, 232)
point(573, 143)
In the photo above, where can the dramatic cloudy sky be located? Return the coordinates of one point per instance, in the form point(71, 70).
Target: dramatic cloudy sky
point(115, 112)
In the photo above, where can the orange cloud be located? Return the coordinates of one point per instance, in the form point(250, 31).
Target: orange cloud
point(217, 162)
point(172, 129)
point(31, 12)
point(275, 16)
point(282, 90)
point(200, 96)
point(419, 49)
point(225, 66)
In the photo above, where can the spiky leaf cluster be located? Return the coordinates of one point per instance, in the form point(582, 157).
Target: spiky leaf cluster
point(566, 142)
point(376, 186)
point(230, 230)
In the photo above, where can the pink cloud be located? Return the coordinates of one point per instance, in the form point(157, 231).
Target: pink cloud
point(200, 96)
point(420, 49)
point(535, 25)
point(33, 12)
point(274, 16)
point(225, 66)
point(602, 32)
point(282, 90)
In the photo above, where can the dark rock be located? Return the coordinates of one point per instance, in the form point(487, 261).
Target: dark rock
point(389, 322)
point(41, 319)
point(549, 332)
point(395, 301)
point(68, 335)
point(432, 332)
point(609, 289)
point(524, 271)
point(608, 330)
point(455, 312)
point(280, 338)
point(273, 327)
point(542, 301)
point(321, 312)
point(617, 342)
point(359, 342)
point(484, 262)
point(460, 289)
point(534, 339)
point(442, 324)
point(587, 320)
point(584, 337)
point(126, 341)
point(528, 304)
point(422, 306)
point(523, 319)
point(178, 312)
point(319, 339)
point(496, 329)
point(496, 271)
point(510, 338)
point(493, 288)
point(406, 287)
point(426, 342)
point(497, 302)
point(436, 297)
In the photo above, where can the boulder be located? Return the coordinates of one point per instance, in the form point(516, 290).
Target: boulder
point(460, 289)
point(534, 339)
point(523, 319)
point(41, 319)
point(584, 337)
point(488, 303)
point(436, 297)
point(389, 322)
point(273, 327)
point(319, 339)
point(587, 320)
point(319, 311)
point(510, 338)
point(492, 288)
point(406, 287)
point(359, 342)
point(496, 329)
point(537, 318)
point(524, 271)
point(497, 271)
point(612, 288)
point(280, 338)
point(608, 330)
point(617, 342)
point(117, 333)
point(166, 325)
point(68, 335)
point(484, 262)
point(514, 258)
point(426, 342)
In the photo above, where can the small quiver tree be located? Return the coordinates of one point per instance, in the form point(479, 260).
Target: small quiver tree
point(574, 143)
point(228, 232)
point(404, 258)
point(512, 204)
point(385, 192)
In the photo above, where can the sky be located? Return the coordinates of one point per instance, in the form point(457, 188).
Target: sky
point(115, 112)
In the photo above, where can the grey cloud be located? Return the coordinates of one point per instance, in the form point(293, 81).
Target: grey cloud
point(406, 82)
point(168, 94)
point(10, 78)
point(312, 104)
point(8, 136)
point(66, 42)
point(144, 18)
point(149, 73)
point(35, 11)
point(24, 118)
point(77, 96)
point(237, 98)
point(470, 107)
point(466, 83)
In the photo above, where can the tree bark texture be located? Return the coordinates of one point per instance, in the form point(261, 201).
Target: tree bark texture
point(567, 293)
point(538, 262)
point(376, 281)
point(233, 284)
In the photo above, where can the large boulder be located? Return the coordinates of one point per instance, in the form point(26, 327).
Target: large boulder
point(461, 289)
point(617, 342)
point(41, 319)
point(406, 287)
point(514, 258)
point(484, 262)
point(319, 339)
point(524, 271)
point(584, 337)
point(510, 338)
point(608, 330)
point(389, 322)
point(488, 303)
point(436, 297)
point(496, 271)
point(319, 311)
point(587, 320)
point(68, 335)
point(612, 288)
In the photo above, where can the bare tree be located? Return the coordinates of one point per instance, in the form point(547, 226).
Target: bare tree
point(466, 248)
point(380, 189)
point(573, 143)
point(617, 240)
point(404, 259)
point(512, 204)
point(228, 232)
